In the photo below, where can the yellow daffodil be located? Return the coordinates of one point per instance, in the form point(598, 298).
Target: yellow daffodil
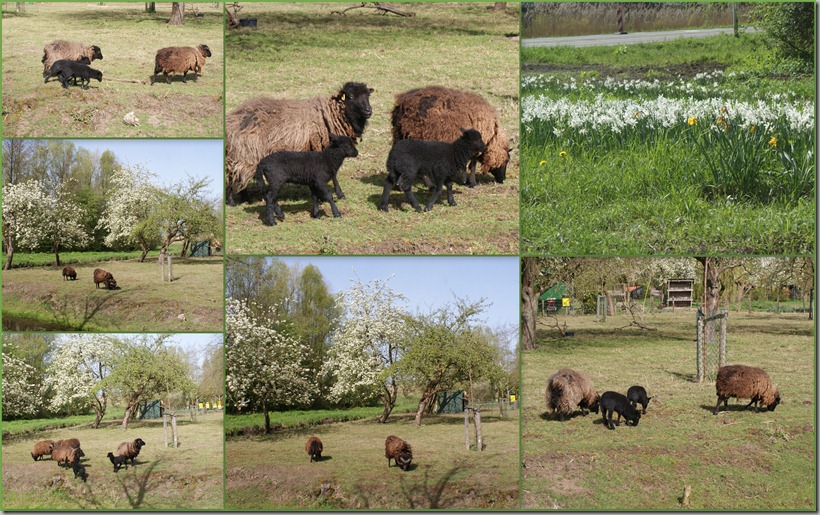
point(692, 120)
point(562, 154)
point(773, 142)
point(542, 163)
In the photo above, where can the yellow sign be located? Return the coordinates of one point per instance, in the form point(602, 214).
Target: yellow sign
point(512, 398)
point(207, 405)
point(200, 405)
point(565, 302)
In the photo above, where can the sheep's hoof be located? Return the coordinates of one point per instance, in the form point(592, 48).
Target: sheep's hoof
point(453, 203)
point(383, 208)
point(270, 221)
point(340, 195)
point(337, 215)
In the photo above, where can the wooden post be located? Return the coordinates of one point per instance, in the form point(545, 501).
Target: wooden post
point(170, 269)
point(467, 428)
point(174, 429)
point(479, 441)
point(722, 348)
point(165, 428)
point(161, 269)
point(701, 348)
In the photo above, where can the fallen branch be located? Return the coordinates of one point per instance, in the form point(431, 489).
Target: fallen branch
point(635, 322)
point(233, 23)
point(135, 81)
point(381, 7)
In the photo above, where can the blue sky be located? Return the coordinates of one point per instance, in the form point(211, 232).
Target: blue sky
point(427, 282)
point(171, 159)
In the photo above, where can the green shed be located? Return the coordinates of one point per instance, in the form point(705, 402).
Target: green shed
point(550, 300)
point(450, 402)
point(150, 409)
point(200, 249)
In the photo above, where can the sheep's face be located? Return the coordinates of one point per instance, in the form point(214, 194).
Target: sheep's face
point(356, 97)
point(594, 407)
point(773, 405)
point(34, 456)
point(139, 443)
point(96, 74)
point(204, 50)
point(345, 143)
point(111, 283)
point(96, 53)
point(404, 460)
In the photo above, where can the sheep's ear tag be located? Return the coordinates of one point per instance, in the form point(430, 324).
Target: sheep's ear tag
point(343, 97)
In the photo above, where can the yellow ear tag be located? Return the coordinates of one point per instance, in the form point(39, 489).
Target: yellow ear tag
point(343, 97)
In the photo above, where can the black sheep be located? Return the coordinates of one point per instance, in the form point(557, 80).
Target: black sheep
point(614, 402)
point(72, 69)
point(637, 395)
point(79, 469)
point(314, 169)
point(118, 461)
point(441, 162)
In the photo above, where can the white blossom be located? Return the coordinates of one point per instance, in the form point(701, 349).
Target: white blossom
point(21, 394)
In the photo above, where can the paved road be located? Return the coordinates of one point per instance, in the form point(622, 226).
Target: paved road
point(625, 39)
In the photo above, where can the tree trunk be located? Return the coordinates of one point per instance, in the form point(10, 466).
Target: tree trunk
point(126, 417)
point(267, 416)
point(811, 304)
point(711, 274)
point(99, 411)
point(57, 253)
point(177, 13)
point(423, 403)
point(500, 6)
point(150, 7)
point(528, 303)
point(10, 251)
point(388, 396)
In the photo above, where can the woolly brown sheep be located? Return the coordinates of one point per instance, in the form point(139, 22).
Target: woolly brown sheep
point(264, 125)
point(70, 442)
point(398, 450)
point(70, 50)
point(65, 454)
point(130, 449)
point(568, 388)
point(180, 59)
point(314, 448)
point(101, 276)
point(744, 382)
point(69, 273)
point(42, 448)
point(436, 113)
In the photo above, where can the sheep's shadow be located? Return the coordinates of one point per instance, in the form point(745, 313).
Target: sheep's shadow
point(323, 458)
point(160, 79)
point(689, 378)
point(737, 407)
point(135, 486)
point(550, 417)
point(66, 310)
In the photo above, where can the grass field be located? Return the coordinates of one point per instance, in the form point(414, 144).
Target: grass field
point(737, 460)
point(680, 147)
point(128, 39)
point(37, 298)
point(462, 46)
point(186, 478)
point(274, 472)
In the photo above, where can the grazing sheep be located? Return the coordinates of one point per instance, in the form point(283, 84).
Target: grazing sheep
point(42, 448)
point(637, 395)
point(67, 50)
point(314, 448)
point(65, 455)
point(67, 70)
point(568, 388)
point(69, 273)
point(101, 276)
point(180, 59)
point(264, 125)
point(313, 169)
point(118, 461)
point(744, 382)
point(614, 402)
point(70, 442)
point(436, 113)
point(130, 449)
point(441, 162)
point(79, 469)
point(398, 450)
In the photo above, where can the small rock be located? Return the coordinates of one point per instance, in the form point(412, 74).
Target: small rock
point(181, 316)
point(131, 119)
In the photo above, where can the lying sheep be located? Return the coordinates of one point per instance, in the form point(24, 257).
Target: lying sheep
point(744, 382)
point(42, 448)
point(130, 449)
point(265, 125)
point(79, 469)
point(314, 449)
point(436, 113)
point(441, 162)
point(69, 273)
point(180, 59)
point(105, 278)
point(399, 451)
point(614, 402)
point(313, 169)
point(568, 388)
point(66, 455)
point(637, 395)
point(118, 461)
point(67, 50)
point(67, 70)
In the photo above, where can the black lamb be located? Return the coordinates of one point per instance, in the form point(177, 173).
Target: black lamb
point(68, 70)
point(439, 161)
point(118, 461)
point(314, 169)
point(637, 395)
point(79, 469)
point(614, 402)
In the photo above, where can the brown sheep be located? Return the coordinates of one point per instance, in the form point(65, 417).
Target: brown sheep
point(436, 113)
point(180, 59)
point(130, 449)
point(101, 276)
point(568, 388)
point(69, 273)
point(744, 382)
point(264, 125)
point(66, 455)
point(42, 448)
point(314, 448)
point(397, 449)
point(70, 442)
point(70, 50)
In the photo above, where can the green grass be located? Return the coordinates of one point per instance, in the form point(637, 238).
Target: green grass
point(128, 39)
point(462, 46)
point(23, 427)
point(189, 477)
point(37, 298)
point(273, 471)
point(767, 459)
point(235, 424)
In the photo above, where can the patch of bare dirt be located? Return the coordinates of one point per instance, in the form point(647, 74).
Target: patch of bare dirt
point(562, 471)
point(684, 70)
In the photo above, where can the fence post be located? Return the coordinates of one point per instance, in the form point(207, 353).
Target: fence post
point(620, 21)
point(174, 429)
point(722, 348)
point(467, 428)
point(165, 428)
point(170, 269)
point(701, 343)
point(479, 443)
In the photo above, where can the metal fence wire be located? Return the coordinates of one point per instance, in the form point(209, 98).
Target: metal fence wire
point(711, 344)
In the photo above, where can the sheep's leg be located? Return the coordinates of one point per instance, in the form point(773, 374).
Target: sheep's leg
point(185, 76)
point(428, 183)
point(270, 207)
point(389, 183)
point(450, 199)
point(471, 179)
point(336, 187)
point(717, 406)
point(167, 78)
point(324, 191)
point(434, 197)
